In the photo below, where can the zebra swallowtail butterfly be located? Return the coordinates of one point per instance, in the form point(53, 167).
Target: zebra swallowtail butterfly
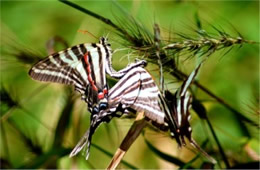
point(83, 66)
point(137, 91)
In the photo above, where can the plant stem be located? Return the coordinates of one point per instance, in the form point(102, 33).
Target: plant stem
point(99, 17)
point(130, 166)
point(218, 143)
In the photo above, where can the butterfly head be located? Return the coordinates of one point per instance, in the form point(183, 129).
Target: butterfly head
point(104, 41)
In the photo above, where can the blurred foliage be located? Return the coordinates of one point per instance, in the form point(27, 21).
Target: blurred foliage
point(41, 123)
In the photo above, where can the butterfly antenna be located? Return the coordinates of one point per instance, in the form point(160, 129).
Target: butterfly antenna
point(86, 31)
point(107, 35)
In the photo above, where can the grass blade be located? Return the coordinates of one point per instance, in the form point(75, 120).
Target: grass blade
point(165, 156)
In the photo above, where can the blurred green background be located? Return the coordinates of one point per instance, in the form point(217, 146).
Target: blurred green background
point(28, 126)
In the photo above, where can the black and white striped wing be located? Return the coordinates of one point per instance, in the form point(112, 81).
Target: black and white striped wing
point(65, 67)
point(137, 90)
point(183, 101)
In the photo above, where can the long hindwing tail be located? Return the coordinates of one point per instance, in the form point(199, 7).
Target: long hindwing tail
point(83, 141)
point(86, 139)
point(94, 124)
point(195, 145)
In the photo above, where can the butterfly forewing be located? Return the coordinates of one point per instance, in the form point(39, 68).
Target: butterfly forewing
point(80, 66)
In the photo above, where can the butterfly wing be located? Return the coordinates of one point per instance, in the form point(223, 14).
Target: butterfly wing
point(183, 104)
point(137, 91)
point(82, 66)
point(65, 67)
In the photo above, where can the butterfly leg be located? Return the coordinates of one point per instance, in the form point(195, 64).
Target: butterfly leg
point(119, 74)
